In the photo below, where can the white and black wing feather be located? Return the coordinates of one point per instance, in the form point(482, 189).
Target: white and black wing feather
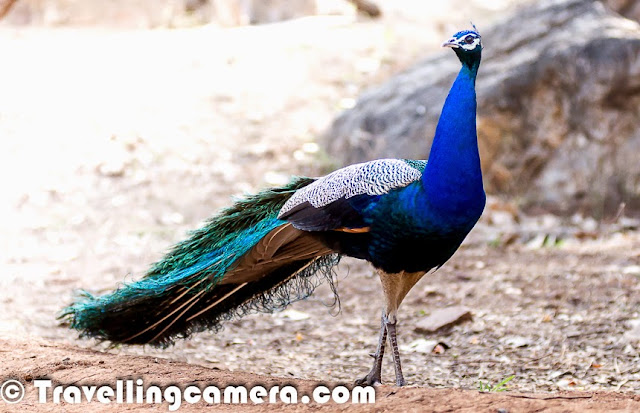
point(326, 203)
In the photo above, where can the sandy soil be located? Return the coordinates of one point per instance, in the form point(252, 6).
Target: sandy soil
point(70, 365)
point(116, 143)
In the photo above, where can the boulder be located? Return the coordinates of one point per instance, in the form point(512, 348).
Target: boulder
point(627, 8)
point(558, 109)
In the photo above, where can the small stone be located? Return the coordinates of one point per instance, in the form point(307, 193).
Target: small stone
point(444, 318)
point(439, 349)
point(569, 383)
point(112, 169)
point(516, 341)
point(631, 270)
point(293, 315)
point(634, 333)
point(502, 219)
point(419, 346)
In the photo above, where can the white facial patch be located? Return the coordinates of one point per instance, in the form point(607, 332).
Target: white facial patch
point(468, 46)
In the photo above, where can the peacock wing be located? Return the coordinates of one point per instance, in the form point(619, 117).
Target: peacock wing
point(337, 201)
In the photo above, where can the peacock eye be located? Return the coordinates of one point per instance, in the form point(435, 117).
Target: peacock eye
point(469, 39)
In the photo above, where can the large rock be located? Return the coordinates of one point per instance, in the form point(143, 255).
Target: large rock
point(558, 109)
point(628, 8)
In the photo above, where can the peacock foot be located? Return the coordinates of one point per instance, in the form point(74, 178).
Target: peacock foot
point(371, 379)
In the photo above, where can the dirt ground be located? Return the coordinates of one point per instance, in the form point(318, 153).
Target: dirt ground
point(115, 143)
point(68, 364)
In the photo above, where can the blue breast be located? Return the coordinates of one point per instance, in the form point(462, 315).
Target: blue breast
point(411, 233)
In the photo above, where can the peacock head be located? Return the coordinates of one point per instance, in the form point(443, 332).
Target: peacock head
point(467, 45)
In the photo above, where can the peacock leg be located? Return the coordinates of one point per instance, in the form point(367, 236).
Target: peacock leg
point(374, 376)
point(395, 287)
point(391, 329)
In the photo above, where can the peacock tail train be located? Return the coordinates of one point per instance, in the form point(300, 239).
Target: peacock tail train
point(243, 260)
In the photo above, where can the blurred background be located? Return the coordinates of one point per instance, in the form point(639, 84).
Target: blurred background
point(123, 124)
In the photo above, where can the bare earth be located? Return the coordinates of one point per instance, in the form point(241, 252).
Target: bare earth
point(114, 144)
point(71, 365)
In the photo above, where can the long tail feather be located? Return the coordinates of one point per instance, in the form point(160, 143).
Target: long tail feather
point(242, 260)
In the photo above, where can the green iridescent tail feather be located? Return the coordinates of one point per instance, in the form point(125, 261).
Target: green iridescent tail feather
point(198, 285)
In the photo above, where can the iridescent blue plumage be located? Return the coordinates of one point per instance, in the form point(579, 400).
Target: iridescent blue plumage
point(419, 223)
point(406, 217)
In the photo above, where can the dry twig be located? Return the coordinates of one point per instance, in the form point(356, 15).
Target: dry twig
point(524, 396)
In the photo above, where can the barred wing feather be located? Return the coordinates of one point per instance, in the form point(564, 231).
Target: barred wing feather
point(333, 201)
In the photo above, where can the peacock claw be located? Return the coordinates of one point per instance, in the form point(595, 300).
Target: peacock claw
point(370, 379)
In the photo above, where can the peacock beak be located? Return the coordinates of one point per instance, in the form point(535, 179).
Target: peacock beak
point(451, 43)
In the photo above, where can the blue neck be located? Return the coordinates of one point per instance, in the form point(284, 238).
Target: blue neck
point(452, 178)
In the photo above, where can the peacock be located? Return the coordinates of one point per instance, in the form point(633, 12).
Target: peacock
point(406, 217)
